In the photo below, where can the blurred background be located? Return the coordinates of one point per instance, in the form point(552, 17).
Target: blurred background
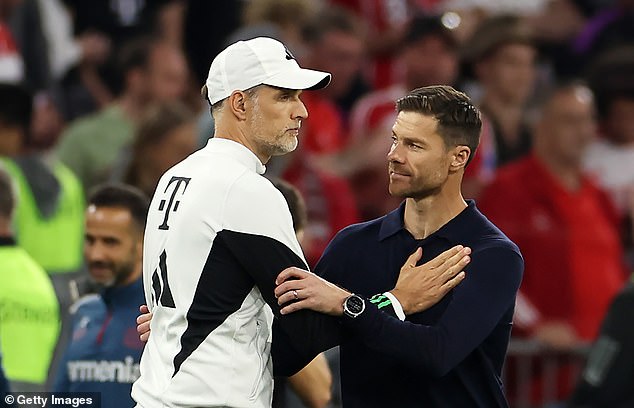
point(109, 90)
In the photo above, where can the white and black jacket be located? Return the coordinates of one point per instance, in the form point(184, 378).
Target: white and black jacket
point(217, 235)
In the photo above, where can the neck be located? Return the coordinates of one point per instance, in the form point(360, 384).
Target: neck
point(427, 215)
point(567, 173)
point(132, 106)
point(508, 116)
point(237, 134)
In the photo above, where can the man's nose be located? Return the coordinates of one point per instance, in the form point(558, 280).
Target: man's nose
point(300, 111)
point(394, 154)
point(94, 252)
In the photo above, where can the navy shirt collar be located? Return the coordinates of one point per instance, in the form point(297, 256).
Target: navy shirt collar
point(128, 295)
point(393, 223)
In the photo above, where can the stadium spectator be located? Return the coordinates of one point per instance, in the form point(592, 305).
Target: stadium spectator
point(30, 313)
point(104, 352)
point(387, 22)
point(151, 72)
point(565, 225)
point(502, 56)
point(166, 135)
point(44, 33)
point(335, 43)
point(610, 157)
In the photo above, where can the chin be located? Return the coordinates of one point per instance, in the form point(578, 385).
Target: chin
point(292, 145)
point(290, 148)
point(281, 152)
point(285, 149)
point(394, 192)
point(104, 283)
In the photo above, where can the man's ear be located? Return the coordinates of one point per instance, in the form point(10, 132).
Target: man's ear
point(236, 104)
point(460, 157)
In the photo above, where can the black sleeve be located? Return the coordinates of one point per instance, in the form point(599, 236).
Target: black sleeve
point(297, 337)
point(608, 377)
point(478, 304)
point(384, 304)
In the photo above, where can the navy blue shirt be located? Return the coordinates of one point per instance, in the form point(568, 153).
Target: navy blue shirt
point(449, 356)
point(104, 353)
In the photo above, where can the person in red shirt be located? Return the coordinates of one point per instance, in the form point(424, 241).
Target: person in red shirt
point(564, 224)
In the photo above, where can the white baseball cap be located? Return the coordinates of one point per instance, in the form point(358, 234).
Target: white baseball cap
point(261, 60)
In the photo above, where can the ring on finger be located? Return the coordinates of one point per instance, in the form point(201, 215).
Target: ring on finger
point(295, 295)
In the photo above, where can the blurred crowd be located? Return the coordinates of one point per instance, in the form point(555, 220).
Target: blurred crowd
point(109, 91)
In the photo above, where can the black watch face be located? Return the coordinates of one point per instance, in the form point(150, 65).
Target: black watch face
point(355, 304)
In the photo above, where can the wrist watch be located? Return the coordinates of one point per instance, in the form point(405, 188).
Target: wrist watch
point(353, 306)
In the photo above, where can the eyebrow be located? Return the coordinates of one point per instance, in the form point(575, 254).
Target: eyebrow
point(411, 140)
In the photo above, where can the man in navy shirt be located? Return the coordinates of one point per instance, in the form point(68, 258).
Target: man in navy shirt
point(412, 355)
point(103, 355)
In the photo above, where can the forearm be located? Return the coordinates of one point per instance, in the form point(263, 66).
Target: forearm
point(471, 312)
point(309, 332)
point(313, 383)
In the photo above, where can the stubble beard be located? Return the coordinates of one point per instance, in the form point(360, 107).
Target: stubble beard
point(122, 273)
point(415, 189)
point(289, 145)
point(279, 145)
point(119, 274)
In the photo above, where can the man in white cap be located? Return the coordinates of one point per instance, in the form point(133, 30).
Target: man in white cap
point(217, 236)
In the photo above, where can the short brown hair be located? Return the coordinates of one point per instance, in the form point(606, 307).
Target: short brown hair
point(458, 119)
